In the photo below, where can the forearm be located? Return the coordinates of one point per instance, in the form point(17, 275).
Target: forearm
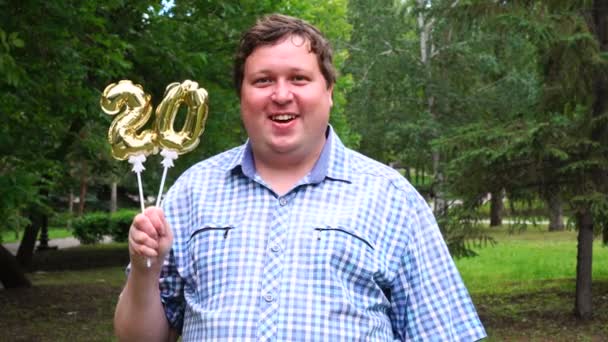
point(140, 315)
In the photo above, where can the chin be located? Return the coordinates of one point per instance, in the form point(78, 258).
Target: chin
point(282, 149)
point(282, 143)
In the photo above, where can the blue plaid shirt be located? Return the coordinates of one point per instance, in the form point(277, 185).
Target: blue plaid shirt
point(351, 253)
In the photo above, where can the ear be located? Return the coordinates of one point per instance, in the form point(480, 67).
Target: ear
point(330, 93)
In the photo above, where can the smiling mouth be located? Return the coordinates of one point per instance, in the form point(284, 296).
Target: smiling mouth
point(282, 118)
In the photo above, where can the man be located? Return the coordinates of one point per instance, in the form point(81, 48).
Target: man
point(291, 237)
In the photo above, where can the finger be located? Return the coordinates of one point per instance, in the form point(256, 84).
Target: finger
point(157, 217)
point(143, 250)
point(154, 214)
point(139, 238)
point(157, 222)
point(166, 228)
point(142, 223)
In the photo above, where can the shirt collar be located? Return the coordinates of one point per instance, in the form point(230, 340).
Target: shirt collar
point(332, 163)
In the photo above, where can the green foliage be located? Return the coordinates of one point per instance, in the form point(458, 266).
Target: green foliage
point(463, 231)
point(16, 189)
point(552, 141)
point(381, 68)
point(52, 72)
point(50, 113)
point(10, 72)
point(120, 222)
point(91, 228)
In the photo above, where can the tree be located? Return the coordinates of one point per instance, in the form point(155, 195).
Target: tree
point(53, 71)
point(514, 100)
point(400, 101)
point(49, 91)
point(556, 144)
point(375, 102)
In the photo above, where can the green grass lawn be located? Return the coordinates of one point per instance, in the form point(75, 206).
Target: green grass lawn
point(523, 288)
point(528, 260)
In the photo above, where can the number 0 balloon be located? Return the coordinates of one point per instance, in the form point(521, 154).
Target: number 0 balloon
point(185, 140)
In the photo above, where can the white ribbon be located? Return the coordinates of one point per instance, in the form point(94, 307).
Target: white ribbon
point(138, 162)
point(169, 157)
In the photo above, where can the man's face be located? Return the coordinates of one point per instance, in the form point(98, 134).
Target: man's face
point(285, 101)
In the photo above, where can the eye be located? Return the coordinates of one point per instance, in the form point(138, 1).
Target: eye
point(262, 81)
point(299, 79)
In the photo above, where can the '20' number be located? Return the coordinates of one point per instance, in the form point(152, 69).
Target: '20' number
point(132, 107)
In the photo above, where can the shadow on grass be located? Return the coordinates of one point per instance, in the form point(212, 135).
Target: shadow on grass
point(545, 315)
point(81, 257)
point(73, 296)
point(80, 312)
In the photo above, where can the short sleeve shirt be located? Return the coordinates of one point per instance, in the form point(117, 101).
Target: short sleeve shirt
point(351, 253)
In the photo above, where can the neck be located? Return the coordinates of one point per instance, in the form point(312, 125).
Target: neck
point(283, 171)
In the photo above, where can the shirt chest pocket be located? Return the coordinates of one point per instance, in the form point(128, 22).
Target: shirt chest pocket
point(344, 253)
point(346, 265)
point(211, 254)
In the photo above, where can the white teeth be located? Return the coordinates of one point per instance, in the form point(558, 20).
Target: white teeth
point(283, 117)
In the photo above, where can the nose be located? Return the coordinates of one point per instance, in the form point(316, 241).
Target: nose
point(282, 93)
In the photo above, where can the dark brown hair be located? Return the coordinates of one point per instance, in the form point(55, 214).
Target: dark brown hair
point(272, 29)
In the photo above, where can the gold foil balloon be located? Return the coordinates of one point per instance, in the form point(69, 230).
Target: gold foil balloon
point(196, 100)
point(133, 107)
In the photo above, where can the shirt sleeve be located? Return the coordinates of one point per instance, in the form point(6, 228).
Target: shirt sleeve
point(171, 287)
point(429, 299)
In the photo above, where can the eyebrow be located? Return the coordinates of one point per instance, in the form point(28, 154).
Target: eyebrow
point(270, 71)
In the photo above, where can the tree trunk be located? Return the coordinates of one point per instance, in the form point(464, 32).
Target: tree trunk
point(441, 206)
point(11, 274)
point(25, 253)
point(600, 105)
point(83, 189)
point(426, 25)
point(70, 210)
point(496, 209)
point(114, 197)
point(44, 234)
point(556, 216)
point(582, 306)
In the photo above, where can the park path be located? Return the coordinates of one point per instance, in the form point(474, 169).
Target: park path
point(60, 243)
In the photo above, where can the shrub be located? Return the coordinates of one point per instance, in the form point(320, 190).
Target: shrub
point(91, 228)
point(120, 224)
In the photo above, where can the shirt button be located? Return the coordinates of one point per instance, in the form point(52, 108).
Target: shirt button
point(275, 248)
point(282, 201)
point(268, 297)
